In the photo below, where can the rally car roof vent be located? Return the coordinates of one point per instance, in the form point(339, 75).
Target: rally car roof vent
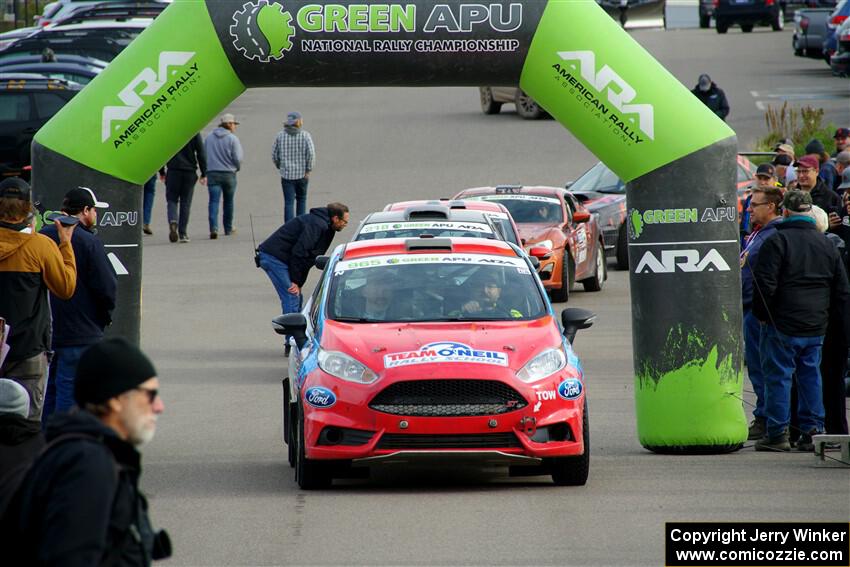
point(420, 212)
point(456, 204)
point(428, 243)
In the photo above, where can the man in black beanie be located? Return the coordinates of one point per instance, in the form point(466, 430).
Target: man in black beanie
point(80, 504)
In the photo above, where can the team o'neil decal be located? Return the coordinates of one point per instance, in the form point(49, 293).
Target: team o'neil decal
point(319, 397)
point(445, 352)
point(570, 388)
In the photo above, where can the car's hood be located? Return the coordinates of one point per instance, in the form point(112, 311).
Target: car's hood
point(534, 231)
point(442, 349)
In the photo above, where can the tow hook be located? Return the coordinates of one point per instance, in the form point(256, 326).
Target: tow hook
point(529, 425)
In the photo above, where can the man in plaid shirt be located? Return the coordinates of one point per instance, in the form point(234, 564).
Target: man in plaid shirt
point(294, 155)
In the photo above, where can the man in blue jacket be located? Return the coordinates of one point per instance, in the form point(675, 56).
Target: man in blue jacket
point(289, 253)
point(764, 209)
point(79, 322)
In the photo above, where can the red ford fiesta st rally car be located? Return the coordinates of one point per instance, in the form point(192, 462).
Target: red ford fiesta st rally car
point(433, 348)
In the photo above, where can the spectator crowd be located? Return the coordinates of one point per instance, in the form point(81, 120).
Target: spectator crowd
point(795, 261)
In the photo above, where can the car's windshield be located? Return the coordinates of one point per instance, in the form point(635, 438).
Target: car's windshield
point(414, 229)
point(599, 178)
point(529, 208)
point(434, 287)
point(505, 226)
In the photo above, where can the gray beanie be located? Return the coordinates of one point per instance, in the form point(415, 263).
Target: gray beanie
point(14, 399)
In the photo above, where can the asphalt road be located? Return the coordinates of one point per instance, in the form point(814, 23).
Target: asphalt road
point(216, 473)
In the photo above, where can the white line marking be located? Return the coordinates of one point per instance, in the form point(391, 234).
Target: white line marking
point(681, 243)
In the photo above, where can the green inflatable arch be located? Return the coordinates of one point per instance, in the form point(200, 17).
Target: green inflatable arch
point(570, 56)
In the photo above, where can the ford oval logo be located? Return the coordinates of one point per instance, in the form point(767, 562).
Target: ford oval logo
point(319, 397)
point(570, 388)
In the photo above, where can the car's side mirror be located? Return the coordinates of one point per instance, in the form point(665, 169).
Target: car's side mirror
point(322, 261)
point(535, 263)
point(540, 252)
point(574, 319)
point(581, 216)
point(293, 324)
point(568, 184)
point(522, 241)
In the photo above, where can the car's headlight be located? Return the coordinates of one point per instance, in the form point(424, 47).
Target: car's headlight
point(546, 243)
point(544, 364)
point(343, 366)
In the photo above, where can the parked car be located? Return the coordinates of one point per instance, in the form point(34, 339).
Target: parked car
point(810, 31)
point(552, 218)
point(492, 99)
point(101, 40)
point(55, 11)
point(840, 61)
point(604, 194)
point(838, 17)
point(75, 72)
point(748, 13)
point(27, 102)
point(444, 351)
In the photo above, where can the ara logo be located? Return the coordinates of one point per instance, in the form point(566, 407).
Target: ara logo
point(570, 388)
point(319, 397)
point(262, 30)
point(153, 81)
point(683, 260)
point(621, 96)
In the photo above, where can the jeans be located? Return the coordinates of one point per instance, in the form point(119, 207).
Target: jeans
point(147, 199)
point(221, 184)
point(752, 334)
point(781, 356)
point(179, 188)
point(294, 197)
point(59, 396)
point(278, 273)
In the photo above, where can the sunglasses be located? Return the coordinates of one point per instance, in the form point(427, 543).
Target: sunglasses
point(151, 392)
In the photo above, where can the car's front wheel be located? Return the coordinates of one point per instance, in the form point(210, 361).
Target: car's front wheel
point(721, 25)
point(623, 248)
point(778, 23)
point(488, 105)
point(310, 474)
point(601, 273)
point(562, 295)
point(573, 471)
point(526, 107)
point(288, 436)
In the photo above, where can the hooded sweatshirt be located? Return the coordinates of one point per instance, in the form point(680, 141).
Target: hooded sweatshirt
point(224, 152)
point(31, 264)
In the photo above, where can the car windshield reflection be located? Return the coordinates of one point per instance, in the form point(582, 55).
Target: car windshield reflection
point(434, 288)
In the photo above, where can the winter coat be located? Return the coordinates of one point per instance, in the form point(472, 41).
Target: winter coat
point(20, 441)
point(826, 198)
point(31, 264)
point(224, 152)
point(80, 504)
point(715, 99)
point(190, 157)
point(298, 242)
point(81, 320)
point(800, 278)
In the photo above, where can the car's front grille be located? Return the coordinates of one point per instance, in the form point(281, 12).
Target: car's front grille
point(448, 398)
point(474, 441)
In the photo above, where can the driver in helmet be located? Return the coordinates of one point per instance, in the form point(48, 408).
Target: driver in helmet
point(490, 300)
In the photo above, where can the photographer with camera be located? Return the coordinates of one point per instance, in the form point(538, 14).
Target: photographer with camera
point(80, 503)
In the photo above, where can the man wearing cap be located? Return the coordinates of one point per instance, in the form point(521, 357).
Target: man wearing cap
point(29, 262)
point(822, 196)
point(180, 177)
point(826, 170)
point(80, 503)
point(224, 158)
point(842, 140)
point(294, 156)
point(80, 321)
point(712, 96)
point(787, 149)
point(781, 164)
point(842, 164)
point(764, 209)
point(797, 280)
